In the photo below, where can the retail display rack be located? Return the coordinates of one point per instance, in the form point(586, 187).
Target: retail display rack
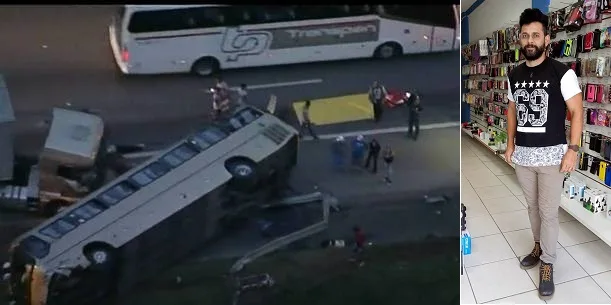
point(585, 46)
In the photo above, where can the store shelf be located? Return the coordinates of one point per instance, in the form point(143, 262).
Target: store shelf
point(602, 130)
point(597, 223)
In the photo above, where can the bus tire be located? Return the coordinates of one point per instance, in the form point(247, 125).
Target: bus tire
point(100, 255)
point(244, 172)
point(205, 66)
point(388, 50)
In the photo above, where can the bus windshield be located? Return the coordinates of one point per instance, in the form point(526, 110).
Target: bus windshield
point(21, 277)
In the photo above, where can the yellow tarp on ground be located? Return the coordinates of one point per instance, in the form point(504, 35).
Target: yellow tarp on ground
point(340, 109)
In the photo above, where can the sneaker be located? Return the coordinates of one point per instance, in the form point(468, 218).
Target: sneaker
point(532, 259)
point(546, 280)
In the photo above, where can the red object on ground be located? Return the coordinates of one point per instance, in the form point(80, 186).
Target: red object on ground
point(359, 238)
point(394, 98)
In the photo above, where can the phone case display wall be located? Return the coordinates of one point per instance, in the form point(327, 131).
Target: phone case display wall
point(487, 84)
point(581, 38)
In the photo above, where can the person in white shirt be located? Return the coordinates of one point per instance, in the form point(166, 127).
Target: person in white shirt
point(242, 95)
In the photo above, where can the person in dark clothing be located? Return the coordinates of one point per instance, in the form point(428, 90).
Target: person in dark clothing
point(359, 239)
point(377, 94)
point(338, 149)
point(358, 150)
point(389, 157)
point(306, 123)
point(359, 246)
point(372, 155)
point(412, 102)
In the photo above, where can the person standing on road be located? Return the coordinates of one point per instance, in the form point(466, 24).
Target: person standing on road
point(388, 156)
point(358, 150)
point(372, 155)
point(306, 123)
point(412, 101)
point(540, 90)
point(338, 150)
point(221, 85)
point(216, 104)
point(242, 95)
point(377, 94)
point(359, 244)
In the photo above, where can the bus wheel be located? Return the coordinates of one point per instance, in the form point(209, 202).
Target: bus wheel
point(243, 171)
point(388, 50)
point(100, 255)
point(205, 66)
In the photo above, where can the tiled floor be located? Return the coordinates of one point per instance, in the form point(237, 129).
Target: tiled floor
point(498, 222)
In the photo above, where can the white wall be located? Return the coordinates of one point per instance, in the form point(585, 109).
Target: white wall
point(492, 15)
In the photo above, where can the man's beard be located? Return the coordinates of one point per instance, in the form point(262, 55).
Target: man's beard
point(533, 54)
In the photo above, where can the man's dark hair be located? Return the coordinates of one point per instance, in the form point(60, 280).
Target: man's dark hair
point(307, 103)
point(531, 15)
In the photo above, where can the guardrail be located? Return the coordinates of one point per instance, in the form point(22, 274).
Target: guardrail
point(290, 238)
point(271, 104)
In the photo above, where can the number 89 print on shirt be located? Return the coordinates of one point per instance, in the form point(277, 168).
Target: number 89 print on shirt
point(540, 93)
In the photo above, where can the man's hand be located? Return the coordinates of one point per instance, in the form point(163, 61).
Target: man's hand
point(508, 153)
point(569, 161)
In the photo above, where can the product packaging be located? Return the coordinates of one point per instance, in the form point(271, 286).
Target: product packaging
point(465, 241)
point(595, 201)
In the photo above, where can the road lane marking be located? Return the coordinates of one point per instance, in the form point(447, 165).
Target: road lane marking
point(383, 131)
point(152, 153)
point(282, 84)
point(337, 109)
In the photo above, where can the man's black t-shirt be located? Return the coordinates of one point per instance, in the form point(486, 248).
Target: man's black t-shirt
point(540, 93)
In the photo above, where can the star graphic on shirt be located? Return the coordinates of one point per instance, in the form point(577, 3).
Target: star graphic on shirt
point(545, 84)
point(538, 83)
point(523, 84)
point(517, 84)
point(530, 85)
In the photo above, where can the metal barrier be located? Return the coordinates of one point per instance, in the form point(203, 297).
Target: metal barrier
point(271, 104)
point(290, 238)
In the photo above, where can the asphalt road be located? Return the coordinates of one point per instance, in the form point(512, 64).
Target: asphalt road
point(61, 54)
point(388, 213)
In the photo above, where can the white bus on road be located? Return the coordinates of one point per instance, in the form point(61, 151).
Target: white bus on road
point(203, 39)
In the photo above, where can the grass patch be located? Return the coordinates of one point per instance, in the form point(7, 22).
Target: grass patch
point(425, 272)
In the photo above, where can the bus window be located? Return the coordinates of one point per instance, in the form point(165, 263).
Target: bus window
point(248, 115)
point(271, 14)
point(159, 21)
point(243, 118)
point(149, 174)
point(58, 228)
point(312, 12)
point(35, 246)
point(115, 194)
point(208, 17)
point(212, 135)
point(87, 211)
point(179, 155)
